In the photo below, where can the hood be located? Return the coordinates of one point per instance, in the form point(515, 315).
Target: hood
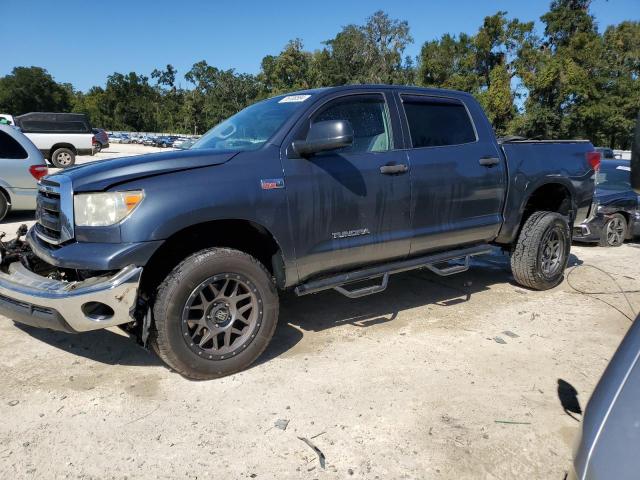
point(100, 175)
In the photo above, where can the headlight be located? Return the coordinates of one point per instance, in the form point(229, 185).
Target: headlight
point(104, 209)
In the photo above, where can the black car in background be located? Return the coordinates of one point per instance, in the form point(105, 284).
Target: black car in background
point(606, 153)
point(615, 214)
point(166, 141)
point(101, 139)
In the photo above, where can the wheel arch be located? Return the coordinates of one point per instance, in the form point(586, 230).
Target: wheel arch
point(550, 194)
point(63, 145)
point(6, 193)
point(240, 234)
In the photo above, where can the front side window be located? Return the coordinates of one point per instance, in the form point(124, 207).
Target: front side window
point(368, 117)
point(252, 127)
point(10, 148)
point(436, 122)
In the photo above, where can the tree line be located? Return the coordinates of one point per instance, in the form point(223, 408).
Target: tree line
point(569, 81)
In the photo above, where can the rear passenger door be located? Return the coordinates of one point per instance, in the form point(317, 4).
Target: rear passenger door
point(458, 175)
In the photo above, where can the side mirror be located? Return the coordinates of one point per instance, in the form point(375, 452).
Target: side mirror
point(635, 158)
point(324, 136)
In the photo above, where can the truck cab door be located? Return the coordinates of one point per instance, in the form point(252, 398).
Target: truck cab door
point(349, 207)
point(458, 173)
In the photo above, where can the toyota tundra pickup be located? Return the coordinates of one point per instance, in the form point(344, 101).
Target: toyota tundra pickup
point(334, 188)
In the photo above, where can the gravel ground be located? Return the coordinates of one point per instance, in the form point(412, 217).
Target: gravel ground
point(417, 382)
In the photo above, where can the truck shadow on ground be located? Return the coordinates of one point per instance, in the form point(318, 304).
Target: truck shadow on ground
point(418, 288)
point(314, 313)
point(102, 346)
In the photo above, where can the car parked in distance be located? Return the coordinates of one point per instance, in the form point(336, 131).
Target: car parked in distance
point(184, 143)
point(615, 213)
point(150, 140)
point(8, 119)
point(59, 136)
point(166, 141)
point(21, 166)
point(606, 153)
point(101, 139)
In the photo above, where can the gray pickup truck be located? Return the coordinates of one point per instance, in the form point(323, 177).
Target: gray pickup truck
point(314, 190)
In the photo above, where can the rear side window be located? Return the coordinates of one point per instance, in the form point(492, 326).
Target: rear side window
point(436, 122)
point(10, 148)
point(44, 126)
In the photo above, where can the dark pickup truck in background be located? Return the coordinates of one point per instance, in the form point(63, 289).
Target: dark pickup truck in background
point(309, 191)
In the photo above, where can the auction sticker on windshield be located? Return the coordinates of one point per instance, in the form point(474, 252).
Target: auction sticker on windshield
point(294, 98)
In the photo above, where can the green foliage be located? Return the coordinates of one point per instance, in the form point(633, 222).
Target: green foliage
point(572, 81)
point(32, 89)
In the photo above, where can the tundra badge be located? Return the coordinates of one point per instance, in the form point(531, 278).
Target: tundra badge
point(351, 233)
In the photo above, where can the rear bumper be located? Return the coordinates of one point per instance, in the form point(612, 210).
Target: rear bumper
point(92, 304)
point(589, 231)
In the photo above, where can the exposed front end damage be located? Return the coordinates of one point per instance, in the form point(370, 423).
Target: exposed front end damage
point(37, 294)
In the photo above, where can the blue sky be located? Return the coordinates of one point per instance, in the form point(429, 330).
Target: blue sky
point(82, 42)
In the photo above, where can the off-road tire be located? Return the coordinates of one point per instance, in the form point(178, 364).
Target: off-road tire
point(167, 337)
point(605, 241)
point(4, 206)
point(56, 161)
point(526, 257)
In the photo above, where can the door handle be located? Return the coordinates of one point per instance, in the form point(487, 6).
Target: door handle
point(489, 161)
point(394, 169)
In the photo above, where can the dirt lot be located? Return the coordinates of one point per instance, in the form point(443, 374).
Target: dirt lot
point(412, 383)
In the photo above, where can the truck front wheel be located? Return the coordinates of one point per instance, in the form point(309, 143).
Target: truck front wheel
point(215, 313)
point(542, 251)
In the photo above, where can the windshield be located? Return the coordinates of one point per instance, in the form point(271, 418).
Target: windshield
point(613, 177)
point(250, 128)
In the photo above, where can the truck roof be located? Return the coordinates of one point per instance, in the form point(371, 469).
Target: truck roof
point(413, 88)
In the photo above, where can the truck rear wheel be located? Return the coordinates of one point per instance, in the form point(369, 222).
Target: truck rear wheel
point(63, 158)
point(215, 313)
point(542, 251)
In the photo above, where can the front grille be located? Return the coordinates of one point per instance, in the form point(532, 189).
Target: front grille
point(48, 212)
point(54, 210)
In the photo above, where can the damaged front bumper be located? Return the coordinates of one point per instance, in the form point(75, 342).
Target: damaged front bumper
point(79, 306)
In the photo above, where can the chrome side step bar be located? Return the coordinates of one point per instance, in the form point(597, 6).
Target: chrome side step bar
point(363, 292)
point(338, 282)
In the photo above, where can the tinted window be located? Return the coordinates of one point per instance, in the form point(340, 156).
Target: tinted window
point(45, 126)
point(368, 117)
point(435, 122)
point(10, 148)
point(613, 177)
